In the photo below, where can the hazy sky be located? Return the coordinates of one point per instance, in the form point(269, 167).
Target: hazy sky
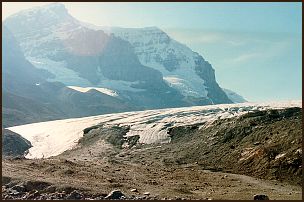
point(255, 48)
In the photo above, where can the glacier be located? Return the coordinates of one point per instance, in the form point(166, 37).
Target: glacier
point(51, 138)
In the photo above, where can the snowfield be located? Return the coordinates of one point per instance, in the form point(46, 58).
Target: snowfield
point(54, 137)
point(102, 90)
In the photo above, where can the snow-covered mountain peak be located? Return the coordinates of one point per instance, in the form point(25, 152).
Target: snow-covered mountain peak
point(155, 28)
point(53, 10)
point(141, 36)
point(55, 6)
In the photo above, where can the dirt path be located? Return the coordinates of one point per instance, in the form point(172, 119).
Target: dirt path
point(274, 188)
point(189, 182)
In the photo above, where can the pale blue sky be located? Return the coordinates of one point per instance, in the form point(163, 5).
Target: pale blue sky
point(255, 48)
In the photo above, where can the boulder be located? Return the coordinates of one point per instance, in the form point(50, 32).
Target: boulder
point(75, 195)
point(33, 194)
point(260, 197)
point(115, 194)
point(19, 188)
point(134, 190)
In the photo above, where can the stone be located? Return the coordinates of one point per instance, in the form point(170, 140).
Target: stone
point(99, 198)
point(19, 188)
point(134, 190)
point(34, 195)
point(10, 184)
point(14, 192)
point(75, 195)
point(110, 180)
point(154, 182)
point(50, 189)
point(32, 191)
point(115, 194)
point(147, 193)
point(61, 195)
point(35, 185)
point(260, 197)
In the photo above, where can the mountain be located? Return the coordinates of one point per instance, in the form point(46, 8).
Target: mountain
point(233, 96)
point(28, 97)
point(78, 55)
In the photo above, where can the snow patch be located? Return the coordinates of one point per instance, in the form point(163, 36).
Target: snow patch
point(280, 156)
point(102, 90)
point(119, 85)
point(71, 78)
point(60, 70)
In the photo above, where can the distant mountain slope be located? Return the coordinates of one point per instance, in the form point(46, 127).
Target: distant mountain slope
point(233, 96)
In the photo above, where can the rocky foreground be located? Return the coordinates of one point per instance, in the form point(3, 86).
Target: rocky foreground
point(43, 191)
